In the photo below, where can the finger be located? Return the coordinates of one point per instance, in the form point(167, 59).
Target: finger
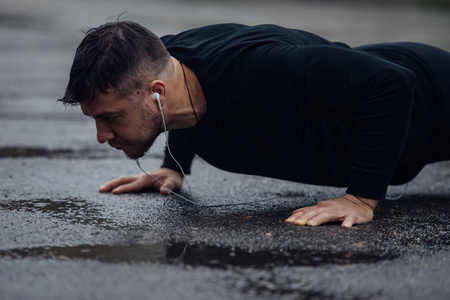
point(304, 214)
point(167, 188)
point(294, 216)
point(349, 221)
point(133, 186)
point(107, 187)
point(322, 218)
point(300, 209)
point(302, 217)
point(308, 208)
point(305, 218)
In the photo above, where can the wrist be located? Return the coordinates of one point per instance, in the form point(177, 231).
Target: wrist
point(372, 203)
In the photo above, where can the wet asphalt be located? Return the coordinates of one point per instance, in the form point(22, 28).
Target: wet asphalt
point(61, 239)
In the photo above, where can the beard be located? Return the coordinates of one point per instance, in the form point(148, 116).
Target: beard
point(150, 128)
point(139, 150)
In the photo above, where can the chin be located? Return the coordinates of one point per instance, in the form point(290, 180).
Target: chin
point(138, 150)
point(135, 154)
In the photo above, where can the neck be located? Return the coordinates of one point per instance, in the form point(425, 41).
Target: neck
point(189, 92)
point(187, 102)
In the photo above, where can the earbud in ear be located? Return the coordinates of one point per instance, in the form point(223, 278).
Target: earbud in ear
point(156, 95)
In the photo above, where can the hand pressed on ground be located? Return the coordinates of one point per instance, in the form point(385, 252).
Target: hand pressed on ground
point(131, 184)
point(347, 209)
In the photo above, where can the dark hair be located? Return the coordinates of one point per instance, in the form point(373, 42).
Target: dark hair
point(119, 55)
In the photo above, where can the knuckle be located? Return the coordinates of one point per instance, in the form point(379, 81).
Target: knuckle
point(321, 204)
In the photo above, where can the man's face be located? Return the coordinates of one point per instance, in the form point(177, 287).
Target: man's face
point(129, 125)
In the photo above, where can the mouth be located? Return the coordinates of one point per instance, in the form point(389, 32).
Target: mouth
point(117, 147)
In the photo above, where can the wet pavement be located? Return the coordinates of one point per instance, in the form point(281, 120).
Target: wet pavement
point(61, 239)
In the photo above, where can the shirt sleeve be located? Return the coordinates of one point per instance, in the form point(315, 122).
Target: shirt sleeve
point(182, 154)
point(330, 81)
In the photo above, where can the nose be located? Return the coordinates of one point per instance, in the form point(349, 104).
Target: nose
point(104, 133)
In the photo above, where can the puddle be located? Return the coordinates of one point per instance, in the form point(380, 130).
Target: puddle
point(110, 254)
point(71, 210)
point(30, 152)
point(212, 256)
point(196, 255)
point(15, 152)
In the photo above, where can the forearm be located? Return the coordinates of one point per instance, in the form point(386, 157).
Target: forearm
point(381, 125)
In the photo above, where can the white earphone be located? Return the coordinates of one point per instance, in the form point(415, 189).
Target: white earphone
point(156, 95)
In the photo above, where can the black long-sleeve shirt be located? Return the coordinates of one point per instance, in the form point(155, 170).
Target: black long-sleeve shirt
point(289, 104)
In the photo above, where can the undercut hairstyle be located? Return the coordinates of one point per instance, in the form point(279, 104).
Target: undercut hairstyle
point(123, 56)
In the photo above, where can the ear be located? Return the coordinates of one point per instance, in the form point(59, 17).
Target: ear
point(157, 86)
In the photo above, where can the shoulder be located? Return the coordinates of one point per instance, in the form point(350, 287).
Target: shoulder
point(200, 33)
point(239, 32)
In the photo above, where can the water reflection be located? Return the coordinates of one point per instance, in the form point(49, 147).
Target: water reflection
point(71, 210)
point(196, 255)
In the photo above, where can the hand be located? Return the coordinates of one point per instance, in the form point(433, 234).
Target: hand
point(349, 209)
point(129, 184)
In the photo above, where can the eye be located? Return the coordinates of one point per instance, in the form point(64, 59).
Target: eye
point(109, 118)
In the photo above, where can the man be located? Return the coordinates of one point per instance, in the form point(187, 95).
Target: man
point(269, 101)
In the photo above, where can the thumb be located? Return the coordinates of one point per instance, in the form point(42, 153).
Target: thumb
point(348, 222)
point(166, 189)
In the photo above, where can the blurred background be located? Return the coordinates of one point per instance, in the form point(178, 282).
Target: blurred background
point(38, 39)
